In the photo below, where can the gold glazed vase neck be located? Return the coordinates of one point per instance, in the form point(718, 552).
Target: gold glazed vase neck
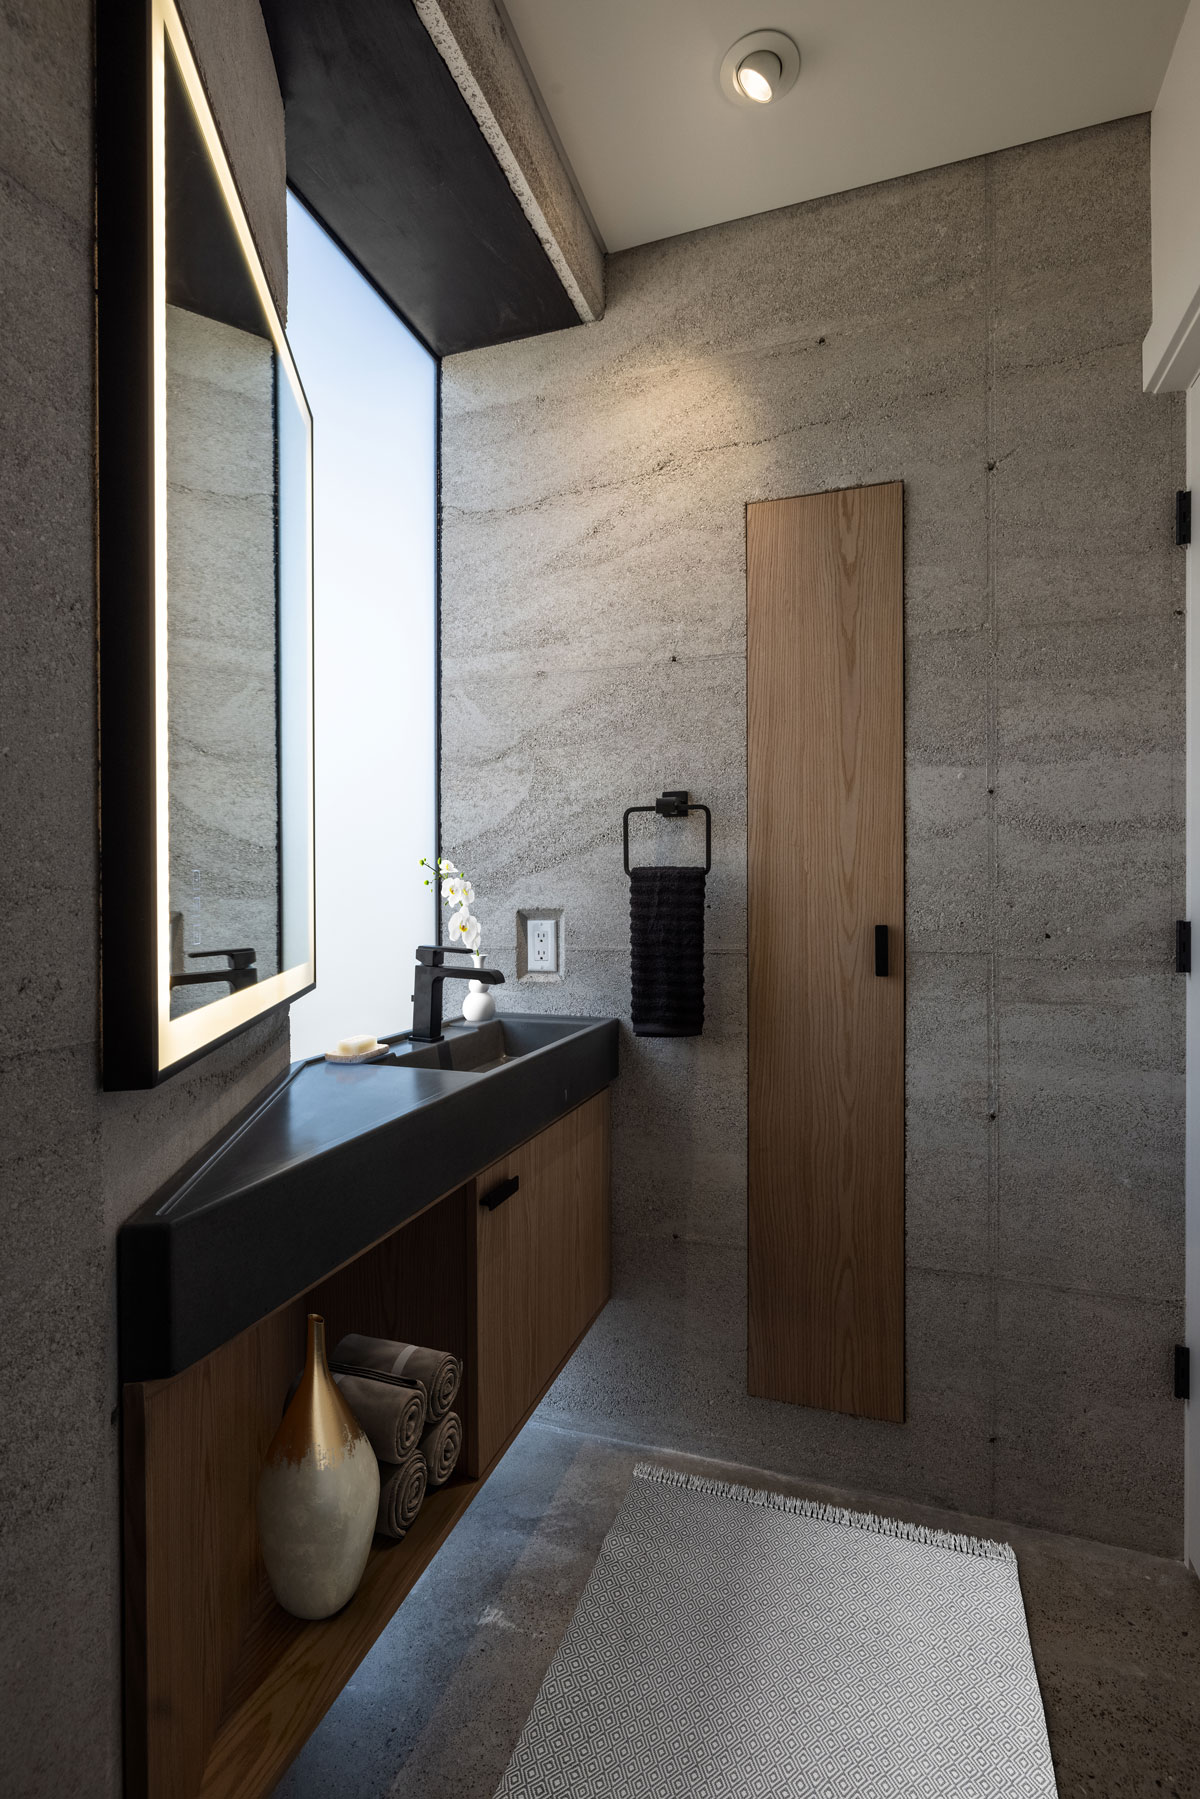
point(318, 1422)
point(315, 1362)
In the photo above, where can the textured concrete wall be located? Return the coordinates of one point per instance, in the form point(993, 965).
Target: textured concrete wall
point(73, 1162)
point(975, 331)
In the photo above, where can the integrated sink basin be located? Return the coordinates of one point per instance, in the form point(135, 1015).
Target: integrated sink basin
point(327, 1161)
point(480, 1048)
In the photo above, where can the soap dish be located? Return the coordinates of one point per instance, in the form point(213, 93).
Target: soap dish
point(371, 1055)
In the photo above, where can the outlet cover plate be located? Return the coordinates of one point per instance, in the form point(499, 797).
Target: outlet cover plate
point(541, 945)
point(540, 951)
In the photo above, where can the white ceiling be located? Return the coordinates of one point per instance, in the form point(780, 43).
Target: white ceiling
point(885, 87)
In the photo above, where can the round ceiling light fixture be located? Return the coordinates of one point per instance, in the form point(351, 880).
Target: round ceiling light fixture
point(760, 68)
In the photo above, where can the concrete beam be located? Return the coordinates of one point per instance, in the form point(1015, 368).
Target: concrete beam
point(475, 42)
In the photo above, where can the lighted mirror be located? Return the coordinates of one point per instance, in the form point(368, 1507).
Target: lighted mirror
point(206, 590)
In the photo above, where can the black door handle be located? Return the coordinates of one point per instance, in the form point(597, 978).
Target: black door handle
point(496, 1196)
point(881, 949)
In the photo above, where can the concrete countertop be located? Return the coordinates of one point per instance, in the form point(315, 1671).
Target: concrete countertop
point(323, 1164)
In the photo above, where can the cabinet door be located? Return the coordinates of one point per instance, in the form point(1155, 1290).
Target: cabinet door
point(542, 1267)
point(825, 761)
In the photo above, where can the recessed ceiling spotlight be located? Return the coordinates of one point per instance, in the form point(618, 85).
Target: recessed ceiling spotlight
point(760, 68)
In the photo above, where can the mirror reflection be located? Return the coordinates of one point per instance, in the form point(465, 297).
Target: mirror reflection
point(231, 496)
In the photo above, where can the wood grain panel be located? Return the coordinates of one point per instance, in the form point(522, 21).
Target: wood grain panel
point(381, 1295)
point(825, 853)
point(205, 1435)
point(508, 1248)
point(542, 1267)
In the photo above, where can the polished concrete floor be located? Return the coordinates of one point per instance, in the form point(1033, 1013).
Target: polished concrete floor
point(435, 1709)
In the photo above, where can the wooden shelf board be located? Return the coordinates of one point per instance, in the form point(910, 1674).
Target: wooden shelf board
point(290, 1671)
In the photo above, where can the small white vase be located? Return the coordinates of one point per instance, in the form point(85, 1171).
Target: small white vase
point(479, 1005)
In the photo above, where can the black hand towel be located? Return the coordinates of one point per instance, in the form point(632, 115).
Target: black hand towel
point(666, 931)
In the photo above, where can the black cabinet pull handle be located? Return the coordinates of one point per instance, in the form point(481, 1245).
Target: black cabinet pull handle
point(496, 1196)
point(881, 949)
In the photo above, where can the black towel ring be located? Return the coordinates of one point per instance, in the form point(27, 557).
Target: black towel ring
point(673, 804)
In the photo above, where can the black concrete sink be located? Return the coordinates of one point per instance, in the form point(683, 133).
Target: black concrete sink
point(479, 1048)
point(327, 1161)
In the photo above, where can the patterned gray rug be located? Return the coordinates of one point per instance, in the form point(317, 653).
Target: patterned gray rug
point(734, 1643)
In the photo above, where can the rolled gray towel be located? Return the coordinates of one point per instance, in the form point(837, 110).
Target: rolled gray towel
point(401, 1491)
point(440, 1446)
point(435, 1370)
point(392, 1416)
point(391, 1413)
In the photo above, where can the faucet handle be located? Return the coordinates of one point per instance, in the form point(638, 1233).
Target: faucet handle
point(430, 955)
point(238, 958)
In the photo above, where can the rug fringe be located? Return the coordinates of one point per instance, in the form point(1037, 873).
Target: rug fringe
point(829, 1514)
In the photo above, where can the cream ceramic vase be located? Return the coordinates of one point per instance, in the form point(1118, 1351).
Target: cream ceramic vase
point(318, 1495)
point(479, 1004)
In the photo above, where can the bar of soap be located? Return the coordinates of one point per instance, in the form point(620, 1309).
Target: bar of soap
point(356, 1046)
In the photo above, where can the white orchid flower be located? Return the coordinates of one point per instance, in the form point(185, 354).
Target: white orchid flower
point(440, 868)
point(466, 928)
point(457, 893)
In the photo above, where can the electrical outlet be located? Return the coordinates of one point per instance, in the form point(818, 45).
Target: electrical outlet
point(541, 945)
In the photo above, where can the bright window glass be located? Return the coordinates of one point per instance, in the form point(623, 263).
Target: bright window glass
point(372, 388)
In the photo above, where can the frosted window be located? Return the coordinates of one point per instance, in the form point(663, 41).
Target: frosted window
point(373, 392)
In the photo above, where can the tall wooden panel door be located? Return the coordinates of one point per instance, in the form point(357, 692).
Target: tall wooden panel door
point(825, 754)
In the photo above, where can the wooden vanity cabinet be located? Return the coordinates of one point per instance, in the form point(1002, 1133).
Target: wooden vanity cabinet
point(222, 1687)
point(542, 1269)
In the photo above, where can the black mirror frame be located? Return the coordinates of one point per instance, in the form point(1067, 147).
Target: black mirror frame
point(141, 1047)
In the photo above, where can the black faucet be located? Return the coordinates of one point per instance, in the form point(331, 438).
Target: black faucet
point(240, 973)
point(427, 995)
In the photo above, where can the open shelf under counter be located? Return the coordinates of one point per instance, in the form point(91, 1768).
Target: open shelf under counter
point(290, 1669)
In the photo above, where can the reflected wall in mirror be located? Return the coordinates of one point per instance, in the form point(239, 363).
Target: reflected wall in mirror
point(222, 851)
point(222, 507)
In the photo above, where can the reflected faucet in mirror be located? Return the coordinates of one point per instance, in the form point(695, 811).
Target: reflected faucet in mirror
point(427, 989)
point(240, 971)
